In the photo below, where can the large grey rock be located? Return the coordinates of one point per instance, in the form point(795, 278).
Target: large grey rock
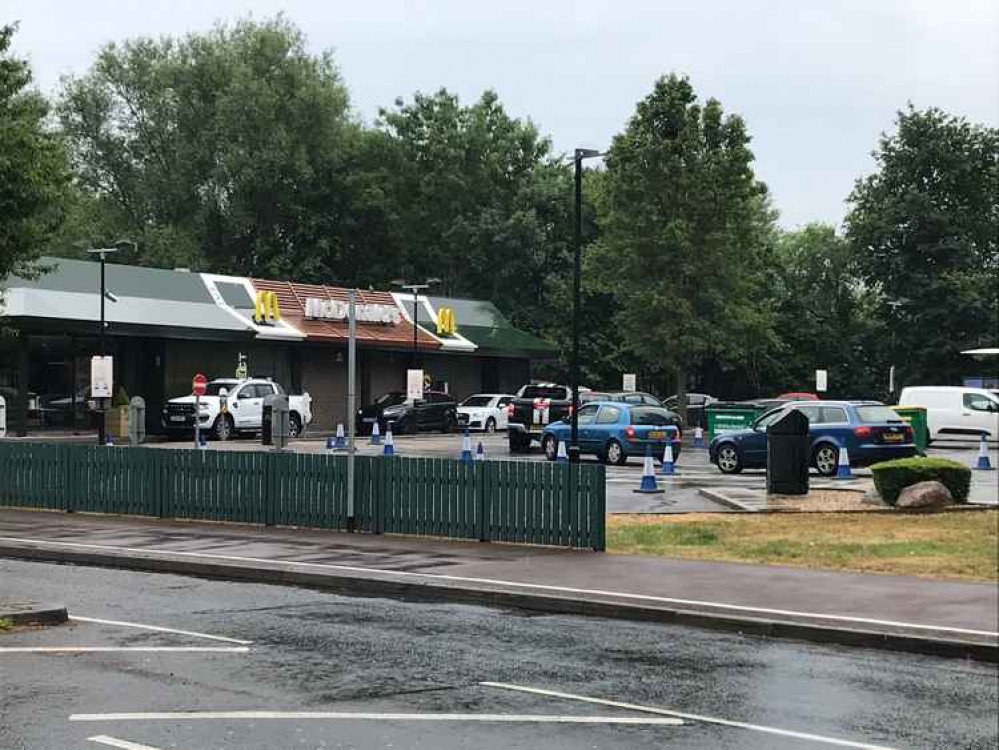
point(924, 496)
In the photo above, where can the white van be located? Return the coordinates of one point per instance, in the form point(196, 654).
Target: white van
point(955, 410)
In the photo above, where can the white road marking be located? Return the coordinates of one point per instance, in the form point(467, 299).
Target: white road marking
point(519, 585)
point(124, 649)
point(160, 629)
point(691, 717)
point(356, 716)
point(123, 744)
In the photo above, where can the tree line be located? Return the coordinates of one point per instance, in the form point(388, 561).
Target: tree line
point(237, 151)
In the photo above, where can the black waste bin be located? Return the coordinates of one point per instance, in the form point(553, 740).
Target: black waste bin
point(266, 434)
point(787, 455)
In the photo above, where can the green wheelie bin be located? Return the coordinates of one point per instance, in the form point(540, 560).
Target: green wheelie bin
point(916, 416)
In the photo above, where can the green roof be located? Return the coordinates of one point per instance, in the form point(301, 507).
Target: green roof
point(485, 326)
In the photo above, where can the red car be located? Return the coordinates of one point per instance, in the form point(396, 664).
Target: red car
point(798, 396)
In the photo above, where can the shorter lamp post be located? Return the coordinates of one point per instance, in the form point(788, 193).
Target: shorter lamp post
point(415, 289)
point(103, 252)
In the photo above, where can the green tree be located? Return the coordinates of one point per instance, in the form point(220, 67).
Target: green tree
point(925, 230)
point(482, 203)
point(824, 316)
point(685, 226)
point(227, 151)
point(33, 167)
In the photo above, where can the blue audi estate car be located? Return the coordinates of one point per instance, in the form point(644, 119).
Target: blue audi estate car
point(615, 431)
point(869, 431)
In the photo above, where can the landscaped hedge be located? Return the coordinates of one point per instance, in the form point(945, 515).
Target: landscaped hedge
point(891, 477)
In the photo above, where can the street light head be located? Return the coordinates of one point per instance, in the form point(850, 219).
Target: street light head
point(588, 153)
point(433, 280)
point(110, 296)
point(398, 282)
point(126, 245)
point(102, 251)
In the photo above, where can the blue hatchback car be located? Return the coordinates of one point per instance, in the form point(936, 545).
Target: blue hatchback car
point(615, 431)
point(869, 431)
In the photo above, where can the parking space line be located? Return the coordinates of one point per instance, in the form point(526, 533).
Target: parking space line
point(691, 717)
point(160, 629)
point(123, 744)
point(364, 716)
point(123, 649)
point(526, 586)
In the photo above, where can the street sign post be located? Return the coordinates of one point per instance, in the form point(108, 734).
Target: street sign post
point(199, 384)
point(821, 381)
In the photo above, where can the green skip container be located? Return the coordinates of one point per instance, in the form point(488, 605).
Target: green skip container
point(916, 416)
point(726, 417)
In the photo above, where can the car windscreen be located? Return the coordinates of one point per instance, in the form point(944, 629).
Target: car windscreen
point(215, 388)
point(650, 415)
point(477, 401)
point(877, 414)
point(544, 391)
point(390, 399)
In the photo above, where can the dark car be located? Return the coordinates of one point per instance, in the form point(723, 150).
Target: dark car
point(870, 432)
point(696, 404)
point(435, 411)
point(636, 398)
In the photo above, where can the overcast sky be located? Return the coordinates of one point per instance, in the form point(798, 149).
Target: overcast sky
point(816, 81)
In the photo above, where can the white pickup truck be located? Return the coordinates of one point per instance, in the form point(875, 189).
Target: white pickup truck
point(231, 406)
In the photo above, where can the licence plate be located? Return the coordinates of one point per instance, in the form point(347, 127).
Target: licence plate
point(892, 437)
point(176, 418)
point(656, 435)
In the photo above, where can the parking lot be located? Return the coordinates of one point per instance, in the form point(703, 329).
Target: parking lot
point(682, 490)
point(157, 661)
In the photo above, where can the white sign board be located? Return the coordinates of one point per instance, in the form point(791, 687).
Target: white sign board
point(821, 381)
point(334, 309)
point(101, 377)
point(3, 417)
point(629, 383)
point(414, 385)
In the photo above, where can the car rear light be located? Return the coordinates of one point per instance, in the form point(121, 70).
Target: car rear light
point(630, 432)
point(569, 410)
point(510, 408)
point(679, 435)
point(862, 431)
point(908, 432)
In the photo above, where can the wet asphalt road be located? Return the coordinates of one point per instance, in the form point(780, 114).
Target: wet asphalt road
point(319, 652)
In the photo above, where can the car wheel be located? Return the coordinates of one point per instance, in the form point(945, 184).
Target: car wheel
point(826, 459)
point(294, 425)
point(550, 446)
point(223, 429)
point(519, 444)
point(728, 459)
point(614, 454)
point(490, 425)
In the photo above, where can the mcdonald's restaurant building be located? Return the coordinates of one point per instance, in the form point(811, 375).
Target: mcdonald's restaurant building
point(164, 326)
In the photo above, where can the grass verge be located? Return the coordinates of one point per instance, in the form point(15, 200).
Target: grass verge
point(5, 624)
point(961, 545)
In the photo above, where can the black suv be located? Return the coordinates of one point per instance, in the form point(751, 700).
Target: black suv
point(435, 411)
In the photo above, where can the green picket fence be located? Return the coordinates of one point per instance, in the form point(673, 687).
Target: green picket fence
point(508, 501)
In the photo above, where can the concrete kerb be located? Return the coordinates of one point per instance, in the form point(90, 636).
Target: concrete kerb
point(428, 588)
point(33, 613)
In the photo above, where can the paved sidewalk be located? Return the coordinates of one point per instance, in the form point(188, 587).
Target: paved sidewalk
point(947, 618)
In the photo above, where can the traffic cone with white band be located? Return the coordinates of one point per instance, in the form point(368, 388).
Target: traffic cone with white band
point(389, 448)
point(843, 468)
point(649, 485)
point(983, 456)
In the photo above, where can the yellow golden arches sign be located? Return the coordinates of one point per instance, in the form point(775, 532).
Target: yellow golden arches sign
point(445, 322)
point(266, 309)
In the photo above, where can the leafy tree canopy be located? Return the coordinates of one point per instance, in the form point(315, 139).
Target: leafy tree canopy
point(925, 227)
point(33, 168)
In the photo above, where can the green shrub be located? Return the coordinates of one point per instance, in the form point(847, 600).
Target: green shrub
point(891, 477)
point(120, 397)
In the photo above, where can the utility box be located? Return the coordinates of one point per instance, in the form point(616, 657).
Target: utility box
point(274, 423)
point(787, 454)
point(3, 417)
point(137, 420)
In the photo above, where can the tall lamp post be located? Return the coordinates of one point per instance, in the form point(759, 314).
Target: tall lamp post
point(577, 271)
point(103, 252)
point(415, 289)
